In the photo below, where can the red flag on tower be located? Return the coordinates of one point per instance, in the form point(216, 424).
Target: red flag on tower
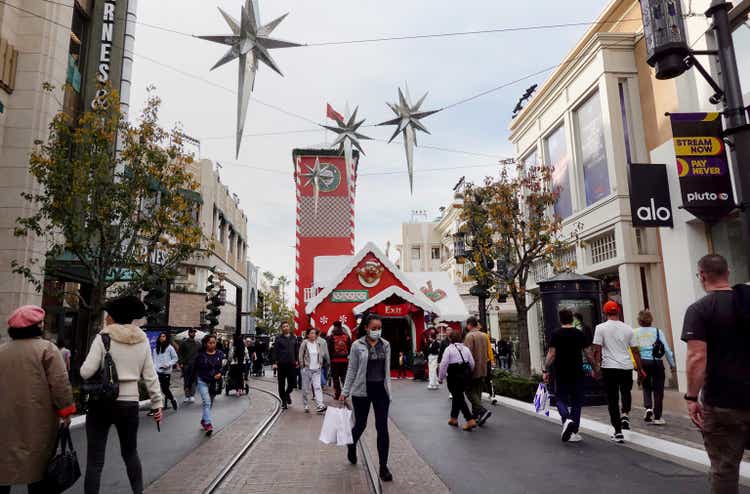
point(333, 114)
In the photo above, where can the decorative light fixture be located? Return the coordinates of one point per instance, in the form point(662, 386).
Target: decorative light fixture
point(666, 38)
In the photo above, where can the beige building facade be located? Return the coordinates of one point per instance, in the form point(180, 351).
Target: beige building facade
point(35, 52)
point(224, 224)
point(600, 110)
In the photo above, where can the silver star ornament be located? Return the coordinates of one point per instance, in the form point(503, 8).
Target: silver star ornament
point(314, 176)
point(249, 42)
point(348, 137)
point(407, 122)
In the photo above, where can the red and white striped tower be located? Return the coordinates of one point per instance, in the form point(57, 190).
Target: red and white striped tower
point(329, 231)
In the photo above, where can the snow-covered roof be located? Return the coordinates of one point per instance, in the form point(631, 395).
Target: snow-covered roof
point(443, 294)
point(326, 268)
point(350, 265)
point(416, 299)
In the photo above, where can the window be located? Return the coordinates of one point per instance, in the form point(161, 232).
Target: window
point(532, 158)
point(436, 253)
point(742, 48)
point(558, 158)
point(593, 154)
point(727, 238)
point(415, 253)
point(603, 248)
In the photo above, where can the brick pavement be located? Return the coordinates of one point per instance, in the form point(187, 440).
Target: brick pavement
point(411, 474)
point(290, 458)
point(197, 470)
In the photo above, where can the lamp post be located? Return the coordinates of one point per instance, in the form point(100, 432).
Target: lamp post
point(670, 55)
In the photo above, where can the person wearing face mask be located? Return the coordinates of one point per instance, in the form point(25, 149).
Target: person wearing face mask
point(368, 382)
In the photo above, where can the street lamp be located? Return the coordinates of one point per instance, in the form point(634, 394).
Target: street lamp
point(666, 38)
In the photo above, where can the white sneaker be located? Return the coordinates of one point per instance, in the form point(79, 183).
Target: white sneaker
point(659, 422)
point(307, 409)
point(618, 438)
point(186, 400)
point(649, 415)
point(567, 430)
point(575, 438)
point(192, 399)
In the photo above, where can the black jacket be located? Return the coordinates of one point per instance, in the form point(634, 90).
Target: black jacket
point(285, 350)
point(434, 348)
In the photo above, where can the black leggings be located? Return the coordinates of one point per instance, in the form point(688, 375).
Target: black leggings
point(457, 389)
point(124, 416)
point(618, 382)
point(164, 382)
point(378, 397)
point(653, 386)
point(33, 488)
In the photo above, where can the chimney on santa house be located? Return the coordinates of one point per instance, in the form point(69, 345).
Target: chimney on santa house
point(323, 230)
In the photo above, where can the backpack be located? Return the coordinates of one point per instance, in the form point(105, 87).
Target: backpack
point(340, 346)
point(658, 350)
point(104, 385)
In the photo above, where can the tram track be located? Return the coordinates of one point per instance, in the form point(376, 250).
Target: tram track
point(216, 484)
point(373, 477)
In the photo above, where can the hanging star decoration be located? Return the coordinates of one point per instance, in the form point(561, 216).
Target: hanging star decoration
point(408, 122)
point(314, 176)
point(249, 42)
point(348, 136)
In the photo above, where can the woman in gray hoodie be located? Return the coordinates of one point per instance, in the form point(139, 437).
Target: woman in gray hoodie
point(131, 352)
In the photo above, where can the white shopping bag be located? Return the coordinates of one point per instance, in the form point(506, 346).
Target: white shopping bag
point(541, 400)
point(330, 426)
point(344, 430)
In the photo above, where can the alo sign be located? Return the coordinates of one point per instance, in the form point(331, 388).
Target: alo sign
point(650, 204)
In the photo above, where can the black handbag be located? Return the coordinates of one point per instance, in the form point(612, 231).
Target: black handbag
point(658, 350)
point(105, 384)
point(63, 470)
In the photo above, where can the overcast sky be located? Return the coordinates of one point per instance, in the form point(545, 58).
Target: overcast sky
point(366, 75)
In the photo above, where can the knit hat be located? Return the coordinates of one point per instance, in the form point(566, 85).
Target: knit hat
point(25, 316)
point(611, 308)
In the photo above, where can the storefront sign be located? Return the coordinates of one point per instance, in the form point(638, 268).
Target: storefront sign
point(349, 296)
point(109, 39)
point(650, 205)
point(702, 165)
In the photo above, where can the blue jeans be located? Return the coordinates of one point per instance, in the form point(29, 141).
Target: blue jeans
point(569, 395)
point(206, 399)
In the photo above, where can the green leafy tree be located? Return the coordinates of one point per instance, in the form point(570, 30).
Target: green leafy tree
point(273, 309)
point(124, 219)
point(511, 227)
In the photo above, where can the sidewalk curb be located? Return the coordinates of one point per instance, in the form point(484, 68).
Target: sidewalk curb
point(79, 421)
point(694, 457)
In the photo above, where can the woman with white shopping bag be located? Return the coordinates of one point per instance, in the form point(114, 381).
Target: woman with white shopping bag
point(368, 382)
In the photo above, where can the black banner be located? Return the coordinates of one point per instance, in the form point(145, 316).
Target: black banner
point(702, 165)
point(650, 205)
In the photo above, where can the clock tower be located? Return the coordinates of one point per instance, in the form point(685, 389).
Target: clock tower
point(325, 218)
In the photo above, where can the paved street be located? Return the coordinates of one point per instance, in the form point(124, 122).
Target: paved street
point(159, 451)
point(523, 454)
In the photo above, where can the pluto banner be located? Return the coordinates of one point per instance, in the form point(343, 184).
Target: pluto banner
point(702, 165)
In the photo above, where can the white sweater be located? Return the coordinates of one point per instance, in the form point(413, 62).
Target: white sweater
point(131, 353)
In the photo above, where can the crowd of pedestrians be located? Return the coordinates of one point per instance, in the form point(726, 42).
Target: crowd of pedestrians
point(716, 329)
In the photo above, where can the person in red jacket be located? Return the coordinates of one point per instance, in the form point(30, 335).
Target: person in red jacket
point(339, 344)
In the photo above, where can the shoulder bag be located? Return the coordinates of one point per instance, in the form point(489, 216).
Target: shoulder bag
point(658, 350)
point(105, 384)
